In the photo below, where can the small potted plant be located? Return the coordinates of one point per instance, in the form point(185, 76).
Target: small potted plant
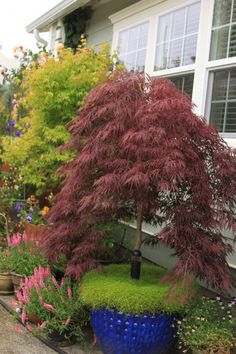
point(24, 258)
point(6, 286)
point(56, 308)
point(208, 327)
point(130, 316)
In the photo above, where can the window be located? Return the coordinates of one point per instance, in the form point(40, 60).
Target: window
point(223, 41)
point(177, 38)
point(133, 47)
point(184, 83)
point(223, 102)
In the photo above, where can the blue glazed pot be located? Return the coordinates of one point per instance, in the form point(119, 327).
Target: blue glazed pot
point(119, 333)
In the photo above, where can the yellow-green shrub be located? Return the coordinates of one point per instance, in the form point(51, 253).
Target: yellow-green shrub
point(52, 92)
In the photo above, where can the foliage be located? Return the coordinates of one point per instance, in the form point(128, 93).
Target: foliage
point(5, 264)
point(51, 93)
point(75, 26)
point(143, 154)
point(57, 306)
point(209, 326)
point(113, 288)
point(24, 258)
point(11, 189)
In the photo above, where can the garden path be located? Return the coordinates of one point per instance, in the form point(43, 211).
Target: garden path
point(12, 342)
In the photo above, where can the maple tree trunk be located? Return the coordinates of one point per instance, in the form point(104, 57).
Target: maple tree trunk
point(138, 238)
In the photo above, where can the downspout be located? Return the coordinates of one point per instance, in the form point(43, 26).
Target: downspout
point(38, 38)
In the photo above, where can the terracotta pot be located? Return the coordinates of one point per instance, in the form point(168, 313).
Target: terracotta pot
point(6, 286)
point(18, 281)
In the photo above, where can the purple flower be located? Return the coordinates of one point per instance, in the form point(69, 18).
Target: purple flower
point(11, 123)
point(18, 207)
point(28, 218)
point(17, 133)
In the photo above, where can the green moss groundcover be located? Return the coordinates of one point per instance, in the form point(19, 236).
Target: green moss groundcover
point(114, 289)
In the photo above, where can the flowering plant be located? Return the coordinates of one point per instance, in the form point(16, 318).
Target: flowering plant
point(5, 264)
point(24, 256)
point(209, 327)
point(58, 306)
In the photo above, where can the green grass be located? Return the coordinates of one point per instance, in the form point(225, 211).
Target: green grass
point(114, 289)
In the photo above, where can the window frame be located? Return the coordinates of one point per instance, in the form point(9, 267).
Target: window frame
point(151, 10)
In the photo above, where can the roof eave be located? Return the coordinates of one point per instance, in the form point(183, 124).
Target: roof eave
point(65, 7)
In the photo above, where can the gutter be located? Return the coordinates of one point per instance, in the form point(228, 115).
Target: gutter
point(38, 38)
point(42, 23)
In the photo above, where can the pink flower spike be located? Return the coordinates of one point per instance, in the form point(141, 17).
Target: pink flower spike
point(41, 299)
point(47, 271)
point(42, 325)
point(55, 282)
point(62, 281)
point(49, 307)
point(69, 292)
point(23, 317)
point(17, 328)
point(28, 327)
point(68, 320)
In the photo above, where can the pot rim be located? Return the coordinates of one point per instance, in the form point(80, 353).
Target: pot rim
point(5, 273)
point(17, 275)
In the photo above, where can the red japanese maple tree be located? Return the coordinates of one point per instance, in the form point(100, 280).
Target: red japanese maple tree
point(142, 153)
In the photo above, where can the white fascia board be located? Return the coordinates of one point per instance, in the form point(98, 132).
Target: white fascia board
point(133, 9)
point(65, 7)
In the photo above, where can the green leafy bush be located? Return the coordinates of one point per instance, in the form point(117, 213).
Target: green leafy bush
point(209, 326)
point(50, 95)
point(113, 288)
point(5, 263)
point(57, 306)
point(24, 258)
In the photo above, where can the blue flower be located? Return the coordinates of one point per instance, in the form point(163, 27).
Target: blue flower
point(11, 123)
point(18, 207)
point(17, 133)
point(28, 218)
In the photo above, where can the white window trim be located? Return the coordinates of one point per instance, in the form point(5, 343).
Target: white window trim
point(151, 10)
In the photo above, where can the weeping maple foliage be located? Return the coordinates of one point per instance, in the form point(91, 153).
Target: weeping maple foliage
point(142, 153)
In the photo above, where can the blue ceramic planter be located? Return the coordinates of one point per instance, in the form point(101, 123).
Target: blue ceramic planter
point(119, 333)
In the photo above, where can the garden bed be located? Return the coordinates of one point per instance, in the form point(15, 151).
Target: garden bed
point(86, 348)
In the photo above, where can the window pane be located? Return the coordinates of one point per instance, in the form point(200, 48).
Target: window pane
point(220, 86)
point(177, 37)
point(224, 25)
point(217, 115)
point(140, 64)
point(133, 39)
point(232, 45)
point(219, 43)
point(132, 47)
point(232, 85)
point(188, 84)
point(178, 23)
point(175, 53)
point(193, 18)
point(223, 105)
point(161, 56)
point(143, 35)
point(164, 29)
point(190, 45)
point(184, 83)
point(230, 125)
point(222, 11)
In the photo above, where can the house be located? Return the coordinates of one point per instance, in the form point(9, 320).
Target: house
point(5, 64)
point(192, 42)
